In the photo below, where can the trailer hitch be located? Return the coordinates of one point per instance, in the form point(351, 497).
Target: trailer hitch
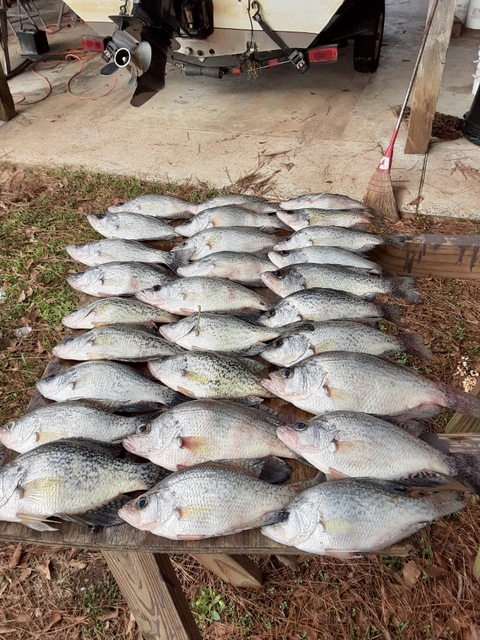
point(294, 56)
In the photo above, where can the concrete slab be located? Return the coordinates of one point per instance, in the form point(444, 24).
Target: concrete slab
point(322, 131)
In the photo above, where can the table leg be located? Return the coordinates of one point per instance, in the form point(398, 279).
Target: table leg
point(237, 569)
point(153, 594)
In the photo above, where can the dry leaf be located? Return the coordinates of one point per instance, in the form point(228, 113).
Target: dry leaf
point(77, 564)
point(109, 615)
point(21, 297)
point(411, 573)
point(16, 555)
point(435, 572)
point(4, 628)
point(29, 292)
point(45, 569)
point(289, 166)
point(26, 573)
point(53, 619)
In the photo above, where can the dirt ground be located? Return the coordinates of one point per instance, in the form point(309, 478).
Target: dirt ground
point(69, 594)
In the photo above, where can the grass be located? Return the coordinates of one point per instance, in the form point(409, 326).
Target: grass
point(69, 594)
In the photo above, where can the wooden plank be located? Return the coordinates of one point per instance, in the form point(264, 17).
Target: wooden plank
point(153, 594)
point(7, 107)
point(433, 255)
point(236, 569)
point(427, 85)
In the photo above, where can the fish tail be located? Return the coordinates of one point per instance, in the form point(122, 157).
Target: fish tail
point(446, 502)
point(394, 238)
point(174, 397)
point(375, 213)
point(392, 312)
point(151, 474)
point(461, 401)
point(467, 470)
point(413, 343)
point(180, 257)
point(404, 288)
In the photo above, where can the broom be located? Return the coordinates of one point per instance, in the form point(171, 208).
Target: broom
point(379, 194)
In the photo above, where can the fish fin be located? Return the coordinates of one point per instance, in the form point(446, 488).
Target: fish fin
point(185, 537)
point(253, 365)
point(342, 555)
point(413, 343)
point(468, 470)
point(403, 287)
point(176, 397)
point(186, 312)
point(336, 475)
point(193, 511)
point(462, 401)
point(104, 516)
point(34, 522)
point(185, 392)
point(275, 518)
point(49, 436)
point(196, 377)
point(275, 470)
point(337, 526)
point(34, 491)
point(193, 443)
point(338, 395)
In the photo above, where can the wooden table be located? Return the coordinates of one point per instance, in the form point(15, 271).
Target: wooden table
point(140, 561)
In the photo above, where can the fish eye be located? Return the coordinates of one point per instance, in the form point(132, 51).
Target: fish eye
point(300, 426)
point(277, 343)
point(144, 428)
point(270, 313)
point(10, 425)
point(67, 339)
point(49, 378)
point(285, 252)
point(119, 204)
point(100, 216)
point(156, 287)
point(279, 274)
point(142, 502)
point(287, 373)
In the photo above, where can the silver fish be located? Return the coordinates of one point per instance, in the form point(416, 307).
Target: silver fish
point(119, 279)
point(115, 342)
point(115, 310)
point(332, 201)
point(323, 255)
point(116, 250)
point(298, 277)
point(351, 516)
point(203, 430)
point(109, 384)
point(341, 381)
point(69, 478)
point(301, 218)
point(320, 305)
point(238, 239)
point(67, 420)
point(154, 205)
point(252, 203)
point(131, 226)
point(206, 501)
point(338, 335)
point(189, 295)
point(220, 333)
point(350, 239)
point(203, 374)
point(244, 268)
point(229, 216)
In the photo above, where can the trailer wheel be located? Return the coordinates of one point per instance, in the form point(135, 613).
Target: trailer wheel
point(366, 49)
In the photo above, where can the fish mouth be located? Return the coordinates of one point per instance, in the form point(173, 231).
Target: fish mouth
point(288, 437)
point(281, 246)
point(186, 270)
point(272, 282)
point(275, 384)
point(130, 444)
point(130, 514)
point(285, 217)
point(148, 296)
point(275, 532)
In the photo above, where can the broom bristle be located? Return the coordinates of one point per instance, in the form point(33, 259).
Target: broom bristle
point(380, 196)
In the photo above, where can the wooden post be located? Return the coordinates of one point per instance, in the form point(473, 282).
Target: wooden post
point(429, 79)
point(7, 107)
point(236, 569)
point(153, 594)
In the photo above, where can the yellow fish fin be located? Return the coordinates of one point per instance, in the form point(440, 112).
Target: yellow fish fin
point(193, 511)
point(36, 490)
point(336, 526)
point(196, 377)
point(34, 522)
point(339, 395)
point(50, 436)
point(194, 443)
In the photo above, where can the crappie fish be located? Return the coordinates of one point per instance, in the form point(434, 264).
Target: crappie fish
point(67, 420)
point(154, 205)
point(220, 333)
point(237, 239)
point(332, 201)
point(109, 385)
point(115, 310)
point(320, 305)
point(229, 216)
point(210, 375)
point(358, 445)
point(301, 218)
point(70, 478)
point(299, 277)
point(338, 335)
point(350, 239)
point(116, 250)
point(244, 268)
point(131, 226)
point(115, 342)
point(206, 501)
point(203, 430)
point(189, 295)
point(251, 203)
point(323, 255)
point(119, 279)
point(341, 381)
point(350, 516)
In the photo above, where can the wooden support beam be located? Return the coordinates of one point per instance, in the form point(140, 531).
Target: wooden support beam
point(236, 569)
point(429, 79)
point(153, 594)
point(7, 107)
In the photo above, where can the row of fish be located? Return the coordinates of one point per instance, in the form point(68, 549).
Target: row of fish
point(332, 364)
